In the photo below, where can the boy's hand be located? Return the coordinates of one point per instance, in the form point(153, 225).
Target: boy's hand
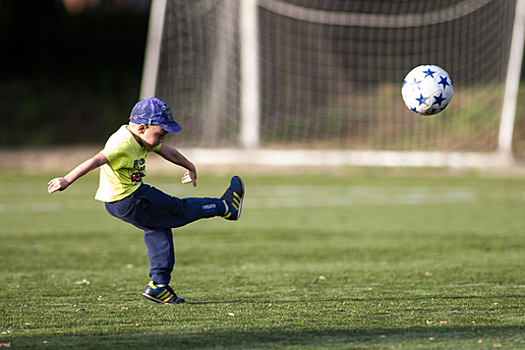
point(190, 176)
point(57, 184)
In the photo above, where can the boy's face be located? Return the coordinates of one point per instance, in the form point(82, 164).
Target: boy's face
point(151, 136)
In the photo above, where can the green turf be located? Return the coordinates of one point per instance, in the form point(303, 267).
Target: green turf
point(361, 261)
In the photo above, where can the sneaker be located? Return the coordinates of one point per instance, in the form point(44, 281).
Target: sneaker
point(233, 197)
point(163, 295)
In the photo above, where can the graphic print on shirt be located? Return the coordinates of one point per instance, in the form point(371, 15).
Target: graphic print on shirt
point(139, 165)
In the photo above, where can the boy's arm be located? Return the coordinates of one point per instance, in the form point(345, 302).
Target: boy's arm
point(61, 183)
point(175, 157)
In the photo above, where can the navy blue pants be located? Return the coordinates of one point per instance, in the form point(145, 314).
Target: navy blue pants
point(157, 213)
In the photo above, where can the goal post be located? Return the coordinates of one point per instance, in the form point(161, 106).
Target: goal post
point(512, 82)
point(306, 82)
point(153, 45)
point(249, 57)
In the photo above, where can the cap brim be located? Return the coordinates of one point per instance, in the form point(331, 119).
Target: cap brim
point(172, 127)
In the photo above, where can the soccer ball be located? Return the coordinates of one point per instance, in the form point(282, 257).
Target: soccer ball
point(427, 89)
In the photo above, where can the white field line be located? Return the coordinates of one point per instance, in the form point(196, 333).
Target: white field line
point(15, 188)
point(290, 196)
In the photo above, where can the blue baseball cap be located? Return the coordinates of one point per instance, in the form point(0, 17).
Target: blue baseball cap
point(152, 111)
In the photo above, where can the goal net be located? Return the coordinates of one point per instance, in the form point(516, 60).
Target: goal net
point(321, 80)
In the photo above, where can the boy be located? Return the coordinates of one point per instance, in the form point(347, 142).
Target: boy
point(127, 198)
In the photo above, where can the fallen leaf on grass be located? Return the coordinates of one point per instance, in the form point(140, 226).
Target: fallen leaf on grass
point(497, 345)
point(231, 314)
point(443, 322)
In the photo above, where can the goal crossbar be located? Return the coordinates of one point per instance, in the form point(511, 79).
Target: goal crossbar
point(372, 20)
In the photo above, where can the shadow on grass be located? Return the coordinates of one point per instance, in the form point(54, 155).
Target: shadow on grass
point(286, 334)
point(400, 338)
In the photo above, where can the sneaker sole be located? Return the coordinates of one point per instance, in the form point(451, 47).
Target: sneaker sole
point(154, 299)
point(158, 300)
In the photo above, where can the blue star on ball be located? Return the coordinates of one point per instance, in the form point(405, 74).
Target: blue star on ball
point(443, 81)
point(429, 73)
point(416, 83)
point(438, 100)
point(421, 99)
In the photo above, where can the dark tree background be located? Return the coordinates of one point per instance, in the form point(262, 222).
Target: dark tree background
point(67, 78)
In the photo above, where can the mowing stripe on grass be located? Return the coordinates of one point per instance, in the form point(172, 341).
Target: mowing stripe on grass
point(29, 207)
point(315, 196)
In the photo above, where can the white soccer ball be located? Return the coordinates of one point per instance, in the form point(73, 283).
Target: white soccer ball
point(427, 89)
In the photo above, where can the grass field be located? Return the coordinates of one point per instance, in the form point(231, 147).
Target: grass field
point(356, 261)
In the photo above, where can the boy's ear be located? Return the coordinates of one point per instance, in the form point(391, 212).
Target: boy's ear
point(142, 128)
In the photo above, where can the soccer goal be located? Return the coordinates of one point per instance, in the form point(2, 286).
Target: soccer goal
point(305, 82)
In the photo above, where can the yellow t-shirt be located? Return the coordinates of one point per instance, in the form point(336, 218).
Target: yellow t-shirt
point(123, 174)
